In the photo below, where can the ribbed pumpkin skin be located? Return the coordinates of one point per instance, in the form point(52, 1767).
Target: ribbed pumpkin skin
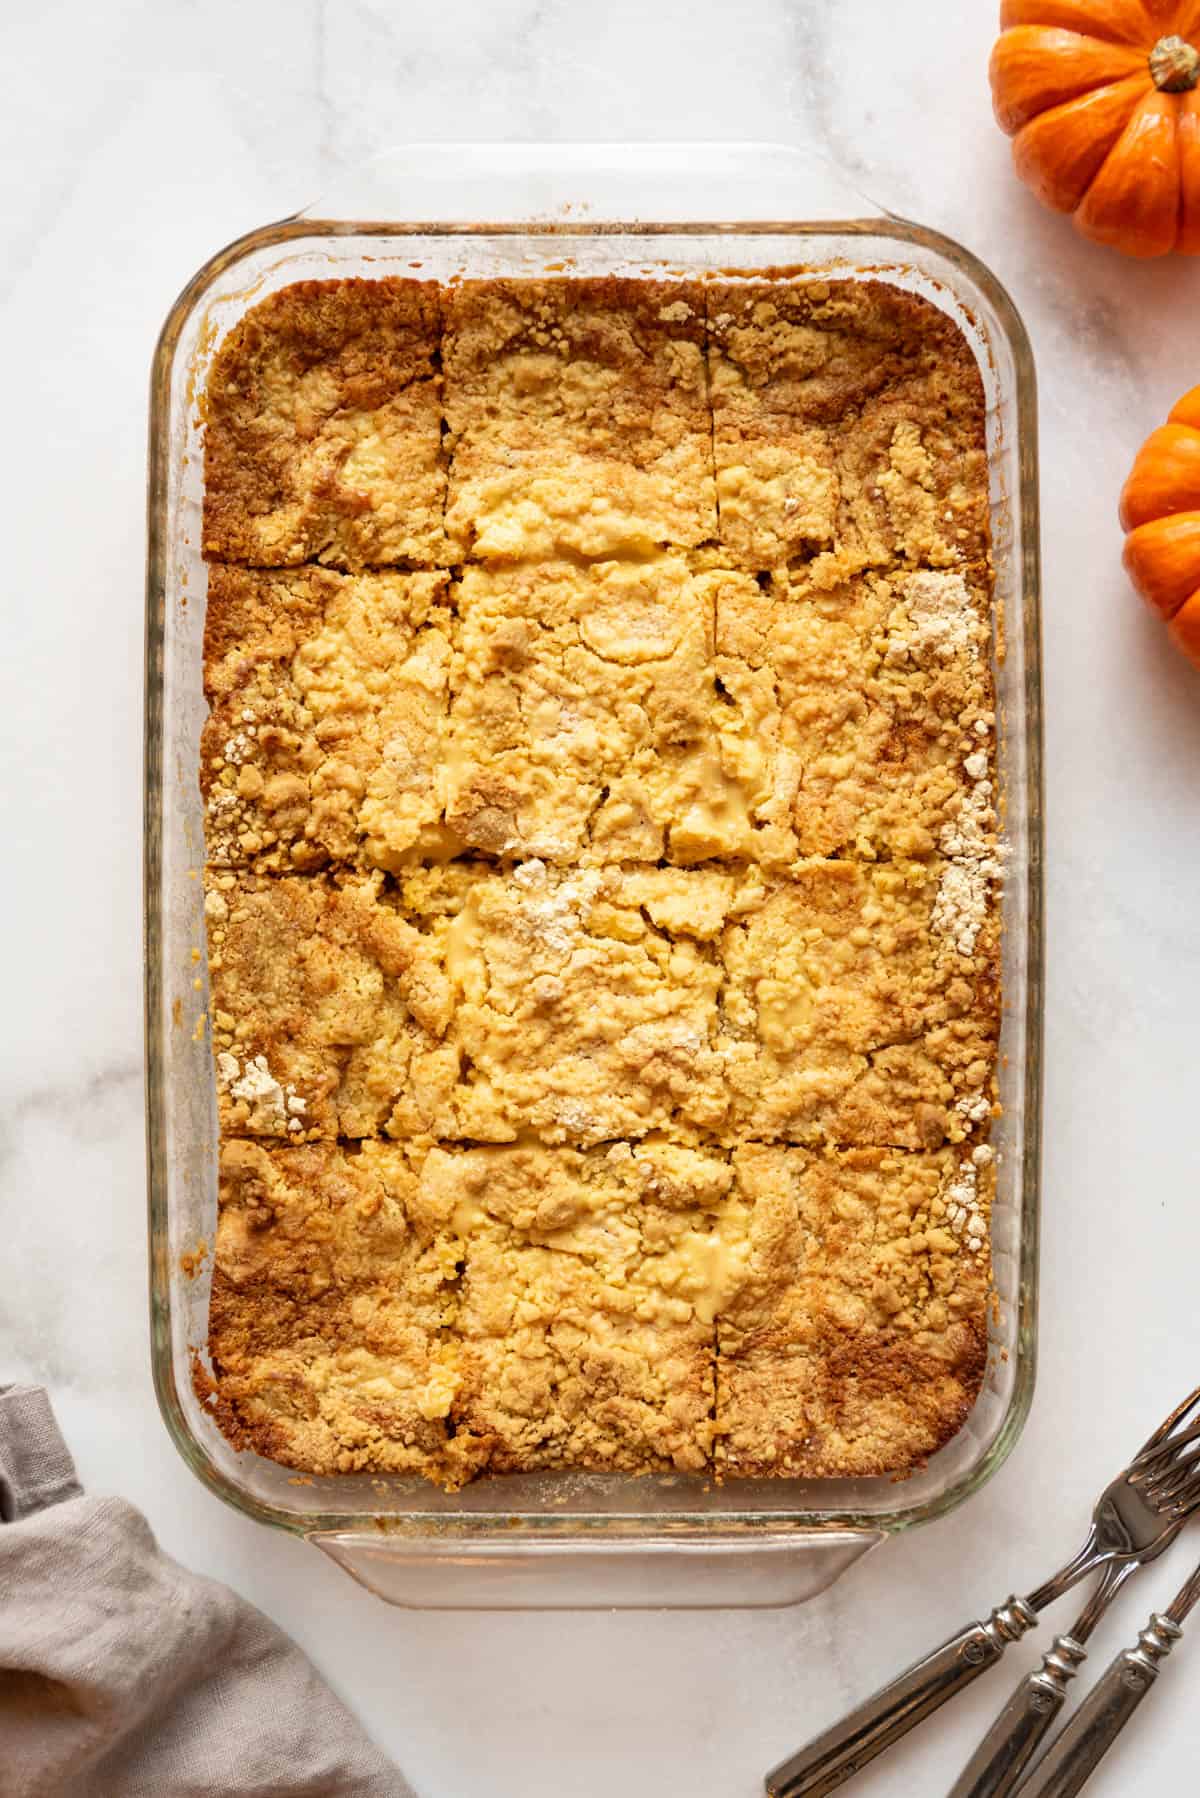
point(1160, 510)
point(1102, 101)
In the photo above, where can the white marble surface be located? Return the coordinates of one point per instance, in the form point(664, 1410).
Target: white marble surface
point(137, 137)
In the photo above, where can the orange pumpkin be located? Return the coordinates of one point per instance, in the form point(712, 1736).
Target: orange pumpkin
point(1101, 99)
point(1160, 509)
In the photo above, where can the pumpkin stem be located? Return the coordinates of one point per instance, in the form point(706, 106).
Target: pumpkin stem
point(1175, 65)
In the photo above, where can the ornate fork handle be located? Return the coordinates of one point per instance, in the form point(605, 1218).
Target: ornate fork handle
point(1075, 1754)
point(997, 1764)
point(845, 1749)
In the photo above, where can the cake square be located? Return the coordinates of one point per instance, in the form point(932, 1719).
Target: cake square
point(326, 735)
point(579, 419)
point(870, 704)
point(576, 1016)
point(848, 426)
point(330, 1313)
point(855, 1343)
point(587, 723)
point(850, 1014)
point(323, 434)
point(320, 1216)
point(589, 1287)
point(330, 1011)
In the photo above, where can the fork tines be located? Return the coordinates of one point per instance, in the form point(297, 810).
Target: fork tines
point(1168, 1438)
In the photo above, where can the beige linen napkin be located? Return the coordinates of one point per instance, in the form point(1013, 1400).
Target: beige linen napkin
point(122, 1675)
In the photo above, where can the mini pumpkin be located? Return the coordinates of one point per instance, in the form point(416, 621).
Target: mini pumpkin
point(1160, 509)
point(1102, 100)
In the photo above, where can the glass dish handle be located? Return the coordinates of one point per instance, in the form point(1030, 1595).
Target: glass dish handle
point(501, 1571)
point(580, 183)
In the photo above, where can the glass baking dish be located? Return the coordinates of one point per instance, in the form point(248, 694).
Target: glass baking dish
point(665, 210)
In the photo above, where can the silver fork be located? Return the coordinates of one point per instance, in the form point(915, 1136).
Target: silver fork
point(1144, 1504)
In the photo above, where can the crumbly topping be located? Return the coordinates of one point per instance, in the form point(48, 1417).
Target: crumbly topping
point(601, 865)
point(340, 756)
point(580, 419)
point(974, 1107)
point(553, 914)
point(968, 842)
point(324, 429)
point(963, 1210)
point(273, 1109)
point(839, 439)
point(856, 1276)
point(943, 622)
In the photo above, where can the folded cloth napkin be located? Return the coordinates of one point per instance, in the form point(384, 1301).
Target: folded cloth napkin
point(122, 1675)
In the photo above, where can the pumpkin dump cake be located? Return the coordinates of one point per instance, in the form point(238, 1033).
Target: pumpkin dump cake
point(601, 868)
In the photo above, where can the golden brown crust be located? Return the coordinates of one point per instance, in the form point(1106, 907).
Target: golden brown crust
point(331, 1301)
point(330, 1012)
point(576, 1014)
point(323, 439)
point(856, 712)
point(848, 424)
point(850, 1017)
point(603, 949)
point(579, 418)
point(586, 1306)
point(856, 1343)
point(587, 721)
point(326, 730)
